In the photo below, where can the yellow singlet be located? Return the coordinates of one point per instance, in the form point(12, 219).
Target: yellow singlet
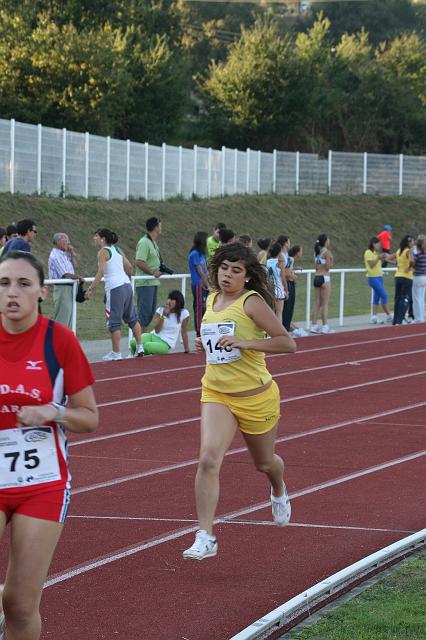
point(249, 372)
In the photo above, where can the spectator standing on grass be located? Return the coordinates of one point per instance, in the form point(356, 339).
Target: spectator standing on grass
point(62, 264)
point(227, 236)
point(169, 321)
point(419, 279)
point(385, 238)
point(46, 392)
point(294, 253)
point(322, 284)
point(148, 262)
point(263, 244)
point(3, 239)
point(213, 241)
point(27, 230)
point(403, 278)
point(276, 269)
point(373, 263)
point(237, 389)
point(197, 262)
point(116, 270)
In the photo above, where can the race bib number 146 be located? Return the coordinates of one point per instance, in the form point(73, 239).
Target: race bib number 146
point(210, 335)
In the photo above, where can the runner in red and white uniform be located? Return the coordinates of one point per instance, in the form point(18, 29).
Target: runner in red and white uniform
point(45, 388)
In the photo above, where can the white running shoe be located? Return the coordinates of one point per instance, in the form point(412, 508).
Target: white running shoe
point(281, 508)
point(314, 328)
point(389, 318)
point(112, 355)
point(327, 329)
point(374, 319)
point(205, 546)
point(299, 333)
point(139, 351)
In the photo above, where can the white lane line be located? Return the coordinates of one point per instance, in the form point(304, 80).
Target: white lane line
point(108, 559)
point(274, 355)
point(188, 463)
point(277, 375)
point(243, 522)
point(178, 423)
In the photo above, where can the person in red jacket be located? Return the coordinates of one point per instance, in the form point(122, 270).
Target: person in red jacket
point(45, 389)
point(385, 238)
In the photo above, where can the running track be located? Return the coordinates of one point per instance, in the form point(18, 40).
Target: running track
point(352, 434)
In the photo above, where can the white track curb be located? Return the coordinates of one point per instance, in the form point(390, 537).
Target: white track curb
point(286, 612)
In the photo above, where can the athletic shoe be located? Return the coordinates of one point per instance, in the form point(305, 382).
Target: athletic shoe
point(314, 328)
point(327, 329)
point(374, 319)
point(205, 546)
point(113, 355)
point(281, 508)
point(389, 318)
point(299, 333)
point(140, 351)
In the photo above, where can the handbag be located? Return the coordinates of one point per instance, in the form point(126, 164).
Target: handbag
point(80, 295)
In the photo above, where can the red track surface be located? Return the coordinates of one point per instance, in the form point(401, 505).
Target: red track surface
point(352, 434)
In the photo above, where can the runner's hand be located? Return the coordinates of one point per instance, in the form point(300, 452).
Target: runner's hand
point(231, 341)
point(198, 344)
point(33, 416)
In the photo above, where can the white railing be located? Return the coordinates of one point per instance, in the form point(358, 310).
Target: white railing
point(183, 277)
point(43, 160)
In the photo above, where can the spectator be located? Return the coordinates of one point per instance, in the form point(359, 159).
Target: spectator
point(385, 238)
point(403, 279)
point(373, 264)
point(227, 236)
point(322, 284)
point(419, 279)
point(148, 262)
point(294, 253)
point(3, 239)
point(275, 267)
point(116, 270)
point(246, 241)
point(213, 241)
point(197, 261)
point(284, 241)
point(61, 264)
point(169, 321)
point(263, 244)
point(11, 231)
point(27, 230)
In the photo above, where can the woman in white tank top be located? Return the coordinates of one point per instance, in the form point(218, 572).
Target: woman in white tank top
point(322, 284)
point(116, 270)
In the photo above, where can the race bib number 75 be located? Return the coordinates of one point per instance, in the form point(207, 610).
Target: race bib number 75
point(28, 457)
point(210, 335)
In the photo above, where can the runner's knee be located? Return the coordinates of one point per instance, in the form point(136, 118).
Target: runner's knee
point(209, 461)
point(19, 610)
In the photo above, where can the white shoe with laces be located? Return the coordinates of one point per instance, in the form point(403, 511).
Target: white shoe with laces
point(389, 318)
point(327, 329)
point(314, 328)
point(112, 355)
point(205, 546)
point(281, 508)
point(299, 333)
point(374, 319)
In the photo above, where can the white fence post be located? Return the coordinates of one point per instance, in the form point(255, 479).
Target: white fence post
point(127, 169)
point(235, 171)
point(86, 164)
point(146, 169)
point(180, 171)
point(259, 156)
point(163, 173)
point(308, 300)
point(364, 178)
point(39, 134)
point(274, 171)
point(330, 161)
point(223, 170)
point(401, 173)
point(209, 183)
point(108, 167)
point(297, 171)
point(248, 170)
point(12, 157)
point(342, 299)
point(64, 162)
point(195, 169)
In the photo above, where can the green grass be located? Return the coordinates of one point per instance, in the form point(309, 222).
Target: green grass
point(349, 221)
point(393, 609)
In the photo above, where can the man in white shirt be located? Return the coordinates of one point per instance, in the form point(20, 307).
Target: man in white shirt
point(62, 264)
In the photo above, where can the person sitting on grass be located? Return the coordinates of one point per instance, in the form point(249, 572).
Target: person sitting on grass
point(168, 322)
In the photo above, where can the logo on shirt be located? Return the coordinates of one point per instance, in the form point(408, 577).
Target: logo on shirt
point(34, 365)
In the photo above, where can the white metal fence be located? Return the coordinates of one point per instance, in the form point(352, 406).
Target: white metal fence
point(43, 160)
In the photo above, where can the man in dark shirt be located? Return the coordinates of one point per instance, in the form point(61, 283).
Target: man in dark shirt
point(27, 230)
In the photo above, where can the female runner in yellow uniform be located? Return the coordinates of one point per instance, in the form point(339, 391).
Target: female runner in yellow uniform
point(237, 389)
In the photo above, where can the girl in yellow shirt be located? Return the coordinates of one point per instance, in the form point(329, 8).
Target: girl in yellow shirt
point(403, 279)
point(373, 263)
point(237, 389)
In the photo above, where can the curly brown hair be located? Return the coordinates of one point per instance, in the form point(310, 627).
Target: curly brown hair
point(257, 274)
